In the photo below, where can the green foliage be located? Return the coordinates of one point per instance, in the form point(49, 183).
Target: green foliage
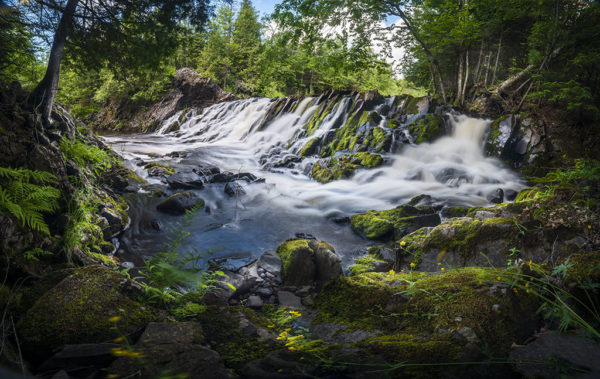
point(84, 154)
point(24, 195)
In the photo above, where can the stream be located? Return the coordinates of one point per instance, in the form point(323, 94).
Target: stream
point(234, 136)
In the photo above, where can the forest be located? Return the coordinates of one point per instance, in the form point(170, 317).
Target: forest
point(325, 188)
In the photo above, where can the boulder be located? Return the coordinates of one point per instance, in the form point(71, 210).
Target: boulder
point(306, 262)
point(179, 203)
point(427, 128)
point(185, 180)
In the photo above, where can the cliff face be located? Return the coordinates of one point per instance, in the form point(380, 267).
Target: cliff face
point(189, 89)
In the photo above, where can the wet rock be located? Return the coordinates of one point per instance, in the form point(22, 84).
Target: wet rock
point(255, 302)
point(179, 203)
point(278, 365)
point(288, 299)
point(234, 189)
point(510, 195)
point(496, 197)
point(188, 180)
point(156, 225)
point(270, 262)
point(305, 236)
point(207, 170)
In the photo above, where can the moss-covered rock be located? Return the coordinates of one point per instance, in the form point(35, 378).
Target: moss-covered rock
point(427, 128)
point(180, 203)
point(87, 306)
point(310, 148)
point(494, 143)
point(305, 262)
point(393, 223)
point(326, 170)
point(370, 263)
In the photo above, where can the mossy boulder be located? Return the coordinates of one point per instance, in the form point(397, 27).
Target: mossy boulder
point(465, 241)
point(87, 306)
point(306, 262)
point(394, 223)
point(326, 170)
point(427, 128)
point(410, 309)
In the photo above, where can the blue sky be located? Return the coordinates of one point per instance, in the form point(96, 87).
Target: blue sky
point(265, 6)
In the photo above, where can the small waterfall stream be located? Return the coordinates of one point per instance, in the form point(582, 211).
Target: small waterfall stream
point(239, 136)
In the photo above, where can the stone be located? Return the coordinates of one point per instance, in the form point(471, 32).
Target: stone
point(264, 291)
point(496, 197)
point(74, 357)
point(255, 302)
point(328, 264)
point(572, 350)
point(234, 189)
point(175, 348)
point(179, 203)
point(468, 334)
point(288, 299)
point(185, 180)
point(510, 195)
point(484, 214)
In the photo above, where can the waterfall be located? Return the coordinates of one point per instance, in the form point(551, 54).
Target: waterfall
point(257, 135)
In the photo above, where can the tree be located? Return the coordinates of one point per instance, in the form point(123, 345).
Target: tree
point(120, 31)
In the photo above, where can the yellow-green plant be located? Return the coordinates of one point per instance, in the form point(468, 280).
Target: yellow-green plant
point(26, 195)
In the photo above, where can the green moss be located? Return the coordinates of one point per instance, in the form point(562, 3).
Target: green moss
point(377, 140)
point(393, 223)
point(427, 128)
point(289, 250)
point(367, 264)
point(310, 147)
point(345, 136)
point(411, 105)
point(463, 235)
point(405, 347)
point(135, 177)
point(330, 169)
point(403, 305)
point(392, 124)
point(457, 211)
point(167, 170)
point(78, 310)
point(188, 310)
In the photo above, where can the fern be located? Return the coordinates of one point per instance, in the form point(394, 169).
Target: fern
point(86, 155)
point(25, 195)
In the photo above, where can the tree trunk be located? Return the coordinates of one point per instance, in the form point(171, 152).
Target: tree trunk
point(432, 79)
point(459, 78)
point(476, 74)
point(505, 85)
point(497, 59)
point(464, 89)
point(44, 94)
point(487, 69)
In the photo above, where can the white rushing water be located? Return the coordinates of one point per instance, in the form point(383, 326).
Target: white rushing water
point(452, 169)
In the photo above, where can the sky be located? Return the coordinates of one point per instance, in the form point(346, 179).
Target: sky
point(265, 6)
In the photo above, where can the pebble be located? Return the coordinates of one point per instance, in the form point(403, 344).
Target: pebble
point(127, 265)
point(496, 307)
point(458, 319)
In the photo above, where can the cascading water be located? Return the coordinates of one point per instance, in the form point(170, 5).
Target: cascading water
point(239, 136)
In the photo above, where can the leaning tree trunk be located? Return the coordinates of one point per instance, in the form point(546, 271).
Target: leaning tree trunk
point(464, 89)
point(44, 94)
point(497, 59)
point(397, 10)
point(459, 78)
